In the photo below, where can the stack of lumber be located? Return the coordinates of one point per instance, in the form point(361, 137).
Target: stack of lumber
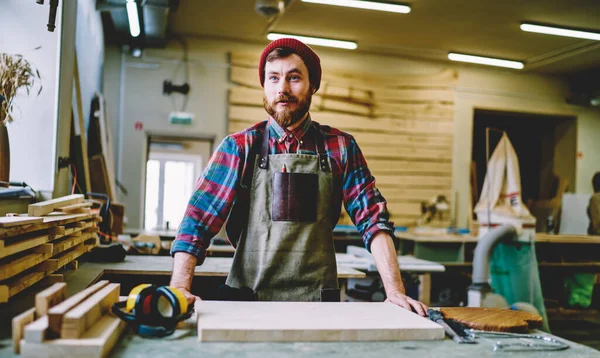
point(80, 326)
point(404, 125)
point(36, 246)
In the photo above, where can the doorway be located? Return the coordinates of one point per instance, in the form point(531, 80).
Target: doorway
point(546, 147)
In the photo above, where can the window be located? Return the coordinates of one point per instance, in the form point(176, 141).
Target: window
point(173, 166)
point(170, 180)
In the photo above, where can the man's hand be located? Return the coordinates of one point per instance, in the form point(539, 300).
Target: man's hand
point(386, 259)
point(191, 298)
point(408, 303)
point(183, 272)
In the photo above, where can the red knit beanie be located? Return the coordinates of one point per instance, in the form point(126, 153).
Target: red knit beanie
point(310, 58)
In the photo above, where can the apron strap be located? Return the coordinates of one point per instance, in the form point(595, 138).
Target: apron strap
point(264, 149)
point(323, 162)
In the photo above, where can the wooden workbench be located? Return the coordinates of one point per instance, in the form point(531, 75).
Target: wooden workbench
point(552, 250)
point(163, 265)
point(185, 343)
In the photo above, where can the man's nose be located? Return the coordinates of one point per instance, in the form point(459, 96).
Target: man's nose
point(284, 87)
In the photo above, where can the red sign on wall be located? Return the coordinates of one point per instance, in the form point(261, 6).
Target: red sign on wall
point(139, 126)
point(579, 155)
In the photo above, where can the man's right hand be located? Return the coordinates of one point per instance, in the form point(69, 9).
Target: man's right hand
point(183, 272)
point(191, 298)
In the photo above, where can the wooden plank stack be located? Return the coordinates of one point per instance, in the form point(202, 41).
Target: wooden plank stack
point(80, 326)
point(404, 126)
point(35, 246)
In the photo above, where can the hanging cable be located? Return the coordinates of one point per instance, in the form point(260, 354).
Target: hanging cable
point(75, 184)
point(185, 61)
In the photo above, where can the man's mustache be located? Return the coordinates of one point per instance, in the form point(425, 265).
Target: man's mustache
point(284, 98)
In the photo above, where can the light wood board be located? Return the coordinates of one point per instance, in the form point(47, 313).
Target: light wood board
point(82, 132)
point(10, 221)
point(18, 326)
point(23, 243)
point(72, 207)
point(50, 220)
point(56, 313)
point(45, 207)
point(77, 321)
point(98, 341)
point(36, 330)
point(14, 265)
point(50, 297)
point(310, 321)
point(20, 282)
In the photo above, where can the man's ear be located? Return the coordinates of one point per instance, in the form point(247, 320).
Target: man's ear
point(313, 88)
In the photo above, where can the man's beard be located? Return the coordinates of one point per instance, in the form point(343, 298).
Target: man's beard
point(286, 117)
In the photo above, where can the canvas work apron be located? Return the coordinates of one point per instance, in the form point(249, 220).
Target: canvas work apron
point(286, 253)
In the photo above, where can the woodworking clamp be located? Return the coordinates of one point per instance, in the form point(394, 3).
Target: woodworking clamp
point(454, 333)
point(504, 341)
point(519, 342)
point(154, 311)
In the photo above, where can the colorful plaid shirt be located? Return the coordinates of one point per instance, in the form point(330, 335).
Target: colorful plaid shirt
point(218, 187)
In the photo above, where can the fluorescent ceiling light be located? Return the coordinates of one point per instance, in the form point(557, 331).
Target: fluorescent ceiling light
point(134, 19)
point(485, 61)
point(368, 5)
point(348, 45)
point(560, 32)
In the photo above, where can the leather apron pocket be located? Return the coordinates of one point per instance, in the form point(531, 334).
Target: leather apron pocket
point(294, 197)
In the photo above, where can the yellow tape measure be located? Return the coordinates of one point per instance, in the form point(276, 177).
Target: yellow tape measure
point(153, 311)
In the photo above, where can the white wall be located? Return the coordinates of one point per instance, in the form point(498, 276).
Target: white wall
point(478, 88)
point(41, 130)
point(32, 134)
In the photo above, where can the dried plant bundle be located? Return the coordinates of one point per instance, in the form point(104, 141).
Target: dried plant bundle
point(16, 73)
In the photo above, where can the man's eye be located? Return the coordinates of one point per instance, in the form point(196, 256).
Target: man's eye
point(294, 78)
point(272, 78)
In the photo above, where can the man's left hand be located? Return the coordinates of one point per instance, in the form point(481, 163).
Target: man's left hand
point(408, 303)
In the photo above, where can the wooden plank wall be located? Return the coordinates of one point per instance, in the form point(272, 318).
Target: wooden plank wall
point(403, 125)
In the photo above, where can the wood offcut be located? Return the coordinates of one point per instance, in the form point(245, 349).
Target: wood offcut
point(493, 319)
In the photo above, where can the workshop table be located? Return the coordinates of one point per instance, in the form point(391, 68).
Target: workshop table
point(185, 342)
point(187, 345)
point(359, 258)
point(581, 251)
point(557, 255)
point(163, 265)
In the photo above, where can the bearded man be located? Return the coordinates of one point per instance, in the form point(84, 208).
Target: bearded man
point(279, 185)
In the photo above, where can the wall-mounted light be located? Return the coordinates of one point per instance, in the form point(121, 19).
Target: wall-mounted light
point(348, 45)
point(485, 60)
point(134, 19)
point(367, 5)
point(558, 31)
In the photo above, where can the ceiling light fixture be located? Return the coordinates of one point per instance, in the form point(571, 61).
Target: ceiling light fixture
point(348, 45)
point(134, 19)
point(549, 30)
point(367, 5)
point(485, 60)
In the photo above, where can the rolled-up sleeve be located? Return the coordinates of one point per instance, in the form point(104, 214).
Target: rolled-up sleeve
point(211, 201)
point(363, 202)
